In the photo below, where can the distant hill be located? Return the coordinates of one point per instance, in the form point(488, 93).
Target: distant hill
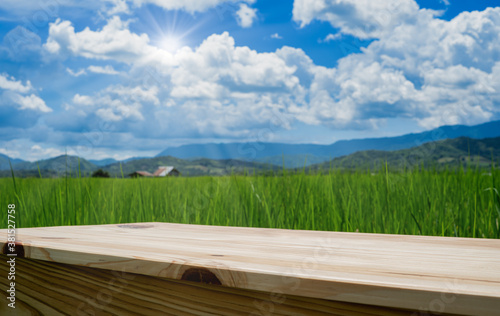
point(32, 174)
point(135, 158)
point(293, 161)
point(487, 130)
point(103, 162)
point(219, 159)
point(197, 167)
point(59, 165)
point(110, 161)
point(250, 151)
point(4, 162)
point(449, 152)
point(295, 153)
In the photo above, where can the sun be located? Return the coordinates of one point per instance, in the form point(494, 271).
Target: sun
point(170, 42)
point(171, 32)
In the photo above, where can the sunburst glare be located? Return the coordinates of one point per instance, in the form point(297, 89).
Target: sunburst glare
point(170, 42)
point(170, 32)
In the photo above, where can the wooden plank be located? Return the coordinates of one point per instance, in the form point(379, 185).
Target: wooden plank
point(48, 288)
point(452, 275)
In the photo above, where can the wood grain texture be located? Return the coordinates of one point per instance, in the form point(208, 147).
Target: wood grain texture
point(446, 275)
point(47, 288)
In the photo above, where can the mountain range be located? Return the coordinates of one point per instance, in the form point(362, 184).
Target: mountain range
point(447, 144)
point(4, 161)
point(76, 166)
point(442, 153)
point(296, 155)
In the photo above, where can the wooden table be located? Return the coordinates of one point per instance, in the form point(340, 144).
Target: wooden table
point(174, 269)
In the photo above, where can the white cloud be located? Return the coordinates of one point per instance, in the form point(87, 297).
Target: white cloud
point(115, 103)
point(10, 153)
point(276, 36)
point(113, 7)
point(13, 95)
point(425, 69)
point(216, 89)
point(332, 37)
point(45, 9)
point(82, 100)
point(21, 44)
point(30, 102)
point(107, 70)
point(218, 60)
point(10, 83)
point(118, 6)
point(361, 18)
point(118, 109)
point(37, 152)
point(138, 94)
point(189, 5)
point(76, 73)
point(108, 114)
point(246, 15)
point(113, 41)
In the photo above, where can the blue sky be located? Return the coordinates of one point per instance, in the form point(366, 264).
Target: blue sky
point(123, 78)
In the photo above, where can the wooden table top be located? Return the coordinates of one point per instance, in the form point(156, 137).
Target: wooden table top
point(451, 275)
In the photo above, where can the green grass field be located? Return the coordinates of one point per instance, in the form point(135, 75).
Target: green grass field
point(446, 203)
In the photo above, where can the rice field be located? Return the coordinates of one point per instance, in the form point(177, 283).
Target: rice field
point(461, 203)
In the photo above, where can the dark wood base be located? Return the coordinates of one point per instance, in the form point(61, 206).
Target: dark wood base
point(47, 288)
